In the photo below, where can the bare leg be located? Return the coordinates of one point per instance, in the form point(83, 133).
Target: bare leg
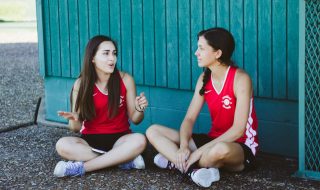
point(126, 148)
point(74, 148)
point(166, 141)
point(226, 155)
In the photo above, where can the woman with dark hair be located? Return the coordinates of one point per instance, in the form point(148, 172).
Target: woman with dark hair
point(103, 100)
point(232, 141)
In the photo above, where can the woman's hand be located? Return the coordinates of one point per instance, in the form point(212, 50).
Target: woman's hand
point(194, 157)
point(69, 115)
point(73, 117)
point(141, 102)
point(181, 159)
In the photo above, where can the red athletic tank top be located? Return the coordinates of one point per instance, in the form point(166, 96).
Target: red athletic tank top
point(102, 124)
point(222, 106)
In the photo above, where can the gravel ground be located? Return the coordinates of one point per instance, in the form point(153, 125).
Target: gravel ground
point(28, 154)
point(28, 159)
point(20, 83)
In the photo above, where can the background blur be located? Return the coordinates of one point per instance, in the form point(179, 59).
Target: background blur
point(17, 10)
point(18, 21)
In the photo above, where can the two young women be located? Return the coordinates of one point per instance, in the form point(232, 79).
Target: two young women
point(230, 144)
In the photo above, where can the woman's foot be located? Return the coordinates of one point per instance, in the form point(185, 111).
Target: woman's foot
point(69, 168)
point(162, 162)
point(137, 163)
point(204, 177)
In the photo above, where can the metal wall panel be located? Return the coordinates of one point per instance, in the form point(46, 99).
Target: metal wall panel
point(157, 39)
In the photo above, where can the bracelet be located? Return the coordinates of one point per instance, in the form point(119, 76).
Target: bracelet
point(141, 111)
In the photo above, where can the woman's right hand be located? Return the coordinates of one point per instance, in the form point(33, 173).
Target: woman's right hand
point(181, 160)
point(69, 115)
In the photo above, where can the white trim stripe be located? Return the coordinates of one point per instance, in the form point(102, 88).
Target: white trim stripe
point(100, 90)
point(224, 81)
point(250, 132)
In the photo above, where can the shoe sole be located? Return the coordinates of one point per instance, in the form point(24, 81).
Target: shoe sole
point(205, 177)
point(58, 170)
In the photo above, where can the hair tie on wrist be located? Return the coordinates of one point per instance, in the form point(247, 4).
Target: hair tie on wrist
point(138, 110)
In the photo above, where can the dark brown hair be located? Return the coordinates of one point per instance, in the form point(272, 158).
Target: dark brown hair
point(88, 76)
point(218, 38)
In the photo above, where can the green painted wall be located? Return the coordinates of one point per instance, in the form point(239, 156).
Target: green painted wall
point(278, 121)
point(157, 41)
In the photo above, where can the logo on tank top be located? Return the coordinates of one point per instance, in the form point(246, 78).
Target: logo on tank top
point(206, 92)
point(226, 102)
point(121, 101)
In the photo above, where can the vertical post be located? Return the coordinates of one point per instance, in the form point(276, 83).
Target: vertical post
point(302, 86)
point(40, 30)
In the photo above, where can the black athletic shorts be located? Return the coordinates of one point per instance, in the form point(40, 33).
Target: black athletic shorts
point(249, 158)
point(102, 141)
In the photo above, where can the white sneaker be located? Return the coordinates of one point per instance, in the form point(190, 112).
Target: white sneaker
point(162, 162)
point(69, 168)
point(138, 162)
point(205, 176)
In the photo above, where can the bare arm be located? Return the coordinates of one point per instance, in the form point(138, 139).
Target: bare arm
point(135, 104)
point(187, 126)
point(191, 115)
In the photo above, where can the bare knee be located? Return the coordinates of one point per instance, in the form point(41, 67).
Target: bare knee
point(152, 131)
point(140, 142)
point(214, 156)
point(63, 146)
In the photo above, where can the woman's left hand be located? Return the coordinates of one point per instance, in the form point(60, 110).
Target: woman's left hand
point(141, 102)
point(194, 157)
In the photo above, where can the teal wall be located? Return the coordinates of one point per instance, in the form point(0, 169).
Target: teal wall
point(157, 40)
point(278, 130)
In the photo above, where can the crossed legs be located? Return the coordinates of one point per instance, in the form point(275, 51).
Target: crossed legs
point(125, 148)
point(227, 155)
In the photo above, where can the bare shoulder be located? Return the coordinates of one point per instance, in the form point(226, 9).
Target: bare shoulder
point(127, 79)
point(242, 77)
point(242, 83)
point(200, 78)
point(199, 82)
point(76, 84)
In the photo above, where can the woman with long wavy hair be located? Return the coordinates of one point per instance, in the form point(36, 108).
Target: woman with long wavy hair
point(103, 100)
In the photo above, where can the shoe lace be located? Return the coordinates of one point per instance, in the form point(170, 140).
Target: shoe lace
point(186, 177)
point(170, 165)
point(74, 169)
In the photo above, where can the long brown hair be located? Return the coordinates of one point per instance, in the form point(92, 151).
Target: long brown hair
point(218, 38)
point(88, 76)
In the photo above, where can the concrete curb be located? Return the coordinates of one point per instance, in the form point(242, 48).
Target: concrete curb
point(41, 118)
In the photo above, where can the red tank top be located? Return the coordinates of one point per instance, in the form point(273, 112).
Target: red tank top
point(222, 106)
point(102, 124)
